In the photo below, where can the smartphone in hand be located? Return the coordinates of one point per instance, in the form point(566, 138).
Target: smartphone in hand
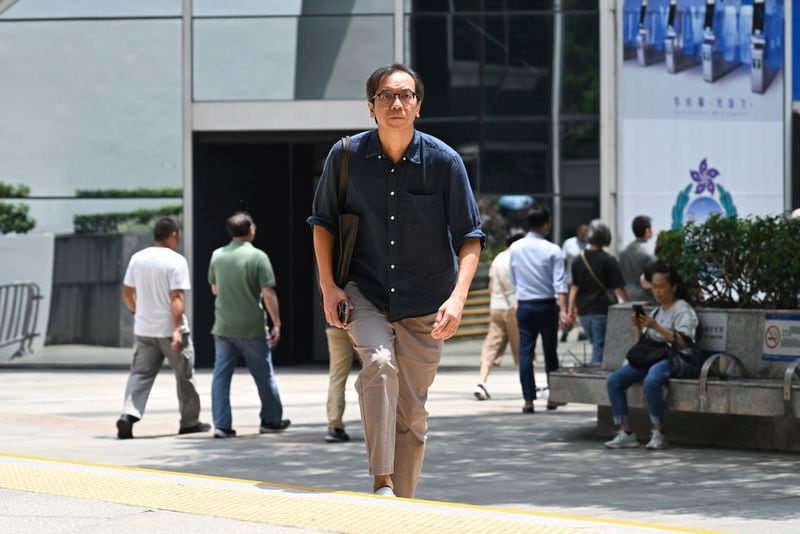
point(344, 312)
point(638, 309)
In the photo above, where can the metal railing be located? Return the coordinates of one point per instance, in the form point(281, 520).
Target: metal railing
point(19, 314)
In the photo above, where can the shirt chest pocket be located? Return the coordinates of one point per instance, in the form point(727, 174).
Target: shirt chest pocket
point(422, 211)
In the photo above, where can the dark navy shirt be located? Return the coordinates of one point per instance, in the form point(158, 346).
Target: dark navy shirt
point(414, 215)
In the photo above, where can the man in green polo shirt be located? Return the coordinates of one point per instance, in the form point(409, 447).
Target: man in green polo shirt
point(241, 276)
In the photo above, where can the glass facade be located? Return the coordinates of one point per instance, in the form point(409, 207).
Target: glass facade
point(488, 68)
point(308, 57)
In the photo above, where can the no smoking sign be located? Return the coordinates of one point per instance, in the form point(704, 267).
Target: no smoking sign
point(781, 336)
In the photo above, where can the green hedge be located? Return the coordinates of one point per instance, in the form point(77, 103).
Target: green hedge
point(142, 192)
point(14, 191)
point(14, 217)
point(124, 222)
point(738, 263)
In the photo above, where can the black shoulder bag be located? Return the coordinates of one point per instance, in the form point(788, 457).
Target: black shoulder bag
point(348, 223)
point(686, 361)
point(648, 352)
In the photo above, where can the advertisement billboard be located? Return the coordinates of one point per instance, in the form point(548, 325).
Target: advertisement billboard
point(702, 110)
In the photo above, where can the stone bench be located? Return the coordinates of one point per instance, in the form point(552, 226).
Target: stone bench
point(743, 397)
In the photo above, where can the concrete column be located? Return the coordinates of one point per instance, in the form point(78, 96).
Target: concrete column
point(188, 211)
point(610, 64)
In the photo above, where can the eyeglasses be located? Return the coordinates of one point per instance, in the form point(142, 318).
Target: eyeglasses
point(386, 97)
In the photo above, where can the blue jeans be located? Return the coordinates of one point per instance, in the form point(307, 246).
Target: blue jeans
point(534, 318)
point(594, 326)
point(620, 380)
point(258, 357)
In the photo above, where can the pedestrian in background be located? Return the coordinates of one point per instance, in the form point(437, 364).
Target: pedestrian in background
point(154, 290)
point(537, 270)
point(340, 361)
point(416, 212)
point(572, 248)
point(596, 284)
point(635, 258)
point(503, 328)
point(241, 277)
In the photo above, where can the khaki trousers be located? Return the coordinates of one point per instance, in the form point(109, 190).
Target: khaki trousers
point(147, 361)
point(502, 330)
point(341, 352)
point(399, 361)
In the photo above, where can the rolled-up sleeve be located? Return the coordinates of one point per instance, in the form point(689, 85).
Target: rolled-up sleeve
point(325, 209)
point(559, 279)
point(463, 216)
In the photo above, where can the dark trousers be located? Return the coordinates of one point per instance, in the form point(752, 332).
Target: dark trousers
point(534, 318)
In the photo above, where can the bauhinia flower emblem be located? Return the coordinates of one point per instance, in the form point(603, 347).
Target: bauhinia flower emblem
point(704, 178)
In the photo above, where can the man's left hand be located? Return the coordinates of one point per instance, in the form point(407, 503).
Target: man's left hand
point(177, 340)
point(448, 318)
point(274, 336)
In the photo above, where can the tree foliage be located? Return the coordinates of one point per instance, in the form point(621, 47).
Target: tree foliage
point(122, 222)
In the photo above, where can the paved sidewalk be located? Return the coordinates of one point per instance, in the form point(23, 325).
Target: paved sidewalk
point(479, 453)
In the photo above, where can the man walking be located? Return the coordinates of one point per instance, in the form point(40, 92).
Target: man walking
point(153, 290)
point(537, 269)
point(340, 358)
point(503, 328)
point(416, 211)
point(635, 258)
point(241, 276)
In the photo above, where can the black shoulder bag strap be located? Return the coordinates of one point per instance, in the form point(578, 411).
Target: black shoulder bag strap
point(609, 294)
point(344, 173)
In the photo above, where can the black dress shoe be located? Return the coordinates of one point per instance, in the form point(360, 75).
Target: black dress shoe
point(125, 426)
point(528, 408)
point(336, 434)
point(199, 427)
point(274, 426)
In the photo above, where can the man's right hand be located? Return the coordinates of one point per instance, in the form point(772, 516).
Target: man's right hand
point(331, 298)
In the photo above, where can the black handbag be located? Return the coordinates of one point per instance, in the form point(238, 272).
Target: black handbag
point(647, 352)
point(686, 361)
point(348, 223)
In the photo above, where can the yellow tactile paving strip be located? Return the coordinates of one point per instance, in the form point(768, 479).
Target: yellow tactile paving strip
point(280, 505)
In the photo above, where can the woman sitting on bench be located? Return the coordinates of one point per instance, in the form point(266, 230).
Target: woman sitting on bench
point(673, 314)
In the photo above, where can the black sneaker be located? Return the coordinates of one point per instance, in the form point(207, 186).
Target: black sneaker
point(527, 408)
point(224, 433)
point(125, 426)
point(274, 426)
point(199, 427)
point(336, 434)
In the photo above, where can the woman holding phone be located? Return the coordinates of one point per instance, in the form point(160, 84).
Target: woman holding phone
point(672, 315)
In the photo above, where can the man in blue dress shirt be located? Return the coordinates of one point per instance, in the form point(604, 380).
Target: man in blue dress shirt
point(416, 213)
point(537, 269)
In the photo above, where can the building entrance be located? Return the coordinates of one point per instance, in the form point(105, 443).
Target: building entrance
point(272, 176)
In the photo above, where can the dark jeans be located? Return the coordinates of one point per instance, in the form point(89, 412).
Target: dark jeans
point(534, 318)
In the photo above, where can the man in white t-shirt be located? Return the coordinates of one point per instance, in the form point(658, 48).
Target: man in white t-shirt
point(154, 286)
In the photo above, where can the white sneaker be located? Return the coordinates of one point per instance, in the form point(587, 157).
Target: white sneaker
point(658, 441)
point(481, 393)
point(622, 440)
point(385, 491)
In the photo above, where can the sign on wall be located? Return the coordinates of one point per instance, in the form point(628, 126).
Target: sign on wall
point(781, 339)
point(702, 110)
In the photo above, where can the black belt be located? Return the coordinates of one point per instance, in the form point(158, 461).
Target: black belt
point(539, 301)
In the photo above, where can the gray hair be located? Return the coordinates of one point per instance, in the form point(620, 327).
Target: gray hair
point(599, 233)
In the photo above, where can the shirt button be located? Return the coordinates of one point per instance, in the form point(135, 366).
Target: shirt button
point(391, 218)
point(392, 170)
point(404, 158)
point(392, 290)
point(391, 242)
point(379, 156)
point(391, 266)
point(391, 193)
